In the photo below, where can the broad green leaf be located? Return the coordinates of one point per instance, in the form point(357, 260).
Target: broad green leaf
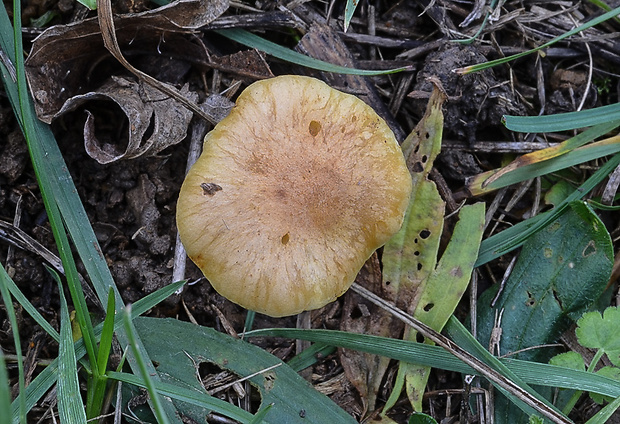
point(179, 348)
point(598, 331)
point(561, 271)
point(70, 406)
point(420, 418)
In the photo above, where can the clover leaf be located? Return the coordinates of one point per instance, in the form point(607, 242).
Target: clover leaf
point(598, 331)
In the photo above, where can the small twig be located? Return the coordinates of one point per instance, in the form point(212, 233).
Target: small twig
point(479, 366)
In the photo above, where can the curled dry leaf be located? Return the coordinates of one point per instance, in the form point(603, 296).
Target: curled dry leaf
point(146, 109)
point(63, 57)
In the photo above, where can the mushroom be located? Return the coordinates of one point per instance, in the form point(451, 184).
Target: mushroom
point(294, 191)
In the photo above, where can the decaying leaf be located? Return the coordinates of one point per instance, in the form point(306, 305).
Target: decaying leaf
point(146, 108)
point(64, 57)
point(428, 290)
point(363, 370)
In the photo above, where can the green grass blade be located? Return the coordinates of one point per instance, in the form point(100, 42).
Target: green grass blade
point(433, 356)
point(70, 407)
point(5, 391)
point(10, 311)
point(57, 184)
point(248, 39)
point(563, 121)
point(603, 416)
point(513, 237)
point(187, 395)
point(107, 333)
point(481, 66)
point(46, 379)
point(155, 398)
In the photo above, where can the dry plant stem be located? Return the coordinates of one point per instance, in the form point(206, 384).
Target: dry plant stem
point(108, 32)
point(489, 373)
point(199, 130)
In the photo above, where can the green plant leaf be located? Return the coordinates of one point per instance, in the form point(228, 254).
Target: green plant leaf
point(180, 347)
point(420, 418)
point(349, 10)
point(603, 416)
point(5, 392)
point(254, 41)
point(563, 121)
point(561, 271)
point(571, 360)
point(598, 331)
point(70, 406)
point(609, 372)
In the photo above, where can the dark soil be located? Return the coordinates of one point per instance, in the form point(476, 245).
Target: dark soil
point(131, 203)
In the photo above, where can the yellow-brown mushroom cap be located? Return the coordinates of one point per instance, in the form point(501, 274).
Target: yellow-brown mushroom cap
point(294, 190)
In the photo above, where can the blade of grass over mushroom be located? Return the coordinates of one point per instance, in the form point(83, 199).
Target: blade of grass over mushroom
point(536, 164)
point(55, 181)
point(513, 237)
point(70, 407)
point(564, 121)
point(254, 41)
point(481, 66)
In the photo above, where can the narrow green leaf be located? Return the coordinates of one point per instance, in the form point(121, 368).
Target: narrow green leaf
point(5, 391)
point(310, 356)
point(479, 67)
point(154, 396)
point(70, 406)
point(349, 10)
point(254, 41)
point(547, 161)
point(46, 379)
point(20, 404)
point(433, 356)
point(512, 238)
point(605, 414)
point(107, 333)
point(563, 121)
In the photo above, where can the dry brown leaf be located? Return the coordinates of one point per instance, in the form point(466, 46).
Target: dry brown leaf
point(366, 371)
point(64, 57)
point(146, 109)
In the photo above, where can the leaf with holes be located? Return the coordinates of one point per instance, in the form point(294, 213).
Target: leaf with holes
point(410, 271)
point(197, 358)
point(561, 271)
